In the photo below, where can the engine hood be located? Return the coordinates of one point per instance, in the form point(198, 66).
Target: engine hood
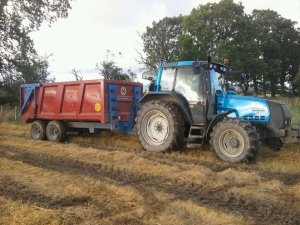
point(274, 114)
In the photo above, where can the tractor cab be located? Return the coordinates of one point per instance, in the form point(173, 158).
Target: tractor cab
point(194, 82)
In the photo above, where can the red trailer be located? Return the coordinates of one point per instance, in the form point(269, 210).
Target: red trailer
point(93, 105)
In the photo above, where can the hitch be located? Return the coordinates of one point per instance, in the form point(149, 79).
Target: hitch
point(292, 135)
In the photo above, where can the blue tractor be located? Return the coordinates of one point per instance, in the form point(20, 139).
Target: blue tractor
point(189, 103)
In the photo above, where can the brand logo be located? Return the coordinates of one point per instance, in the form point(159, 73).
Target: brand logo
point(123, 90)
point(258, 109)
point(72, 91)
point(50, 92)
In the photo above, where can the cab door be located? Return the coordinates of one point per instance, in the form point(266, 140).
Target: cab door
point(190, 85)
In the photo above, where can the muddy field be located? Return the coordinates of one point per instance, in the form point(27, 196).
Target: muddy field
point(109, 179)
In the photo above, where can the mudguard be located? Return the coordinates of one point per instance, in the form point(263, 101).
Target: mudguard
point(175, 98)
point(216, 119)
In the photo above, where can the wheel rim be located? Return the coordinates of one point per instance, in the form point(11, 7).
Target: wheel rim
point(231, 143)
point(155, 127)
point(53, 131)
point(36, 132)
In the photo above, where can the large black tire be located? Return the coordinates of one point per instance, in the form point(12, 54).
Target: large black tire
point(56, 131)
point(235, 140)
point(275, 144)
point(160, 126)
point(38, 130)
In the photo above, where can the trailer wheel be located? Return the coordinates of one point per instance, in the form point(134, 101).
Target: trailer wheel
point(160, 126)
point(56, 131)
point(235, 140)
point(275, 144)
point(38, 130)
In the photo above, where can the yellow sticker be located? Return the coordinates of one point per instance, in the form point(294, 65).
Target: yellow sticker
point(123, 90)
point(97, 107)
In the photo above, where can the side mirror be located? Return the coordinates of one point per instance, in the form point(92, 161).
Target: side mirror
point(196, 67)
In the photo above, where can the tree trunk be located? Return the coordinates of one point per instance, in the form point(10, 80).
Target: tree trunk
point(2, 5)
point(264, 87)
point(255, 86)
point(282, 80)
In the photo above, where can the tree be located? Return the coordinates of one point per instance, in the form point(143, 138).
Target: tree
point(279, 46)
point(19, 62)
point(109, 69)
point(296, 83)
point(222, 30)
point(77, 73)
point(207, 26)
point(160, 42)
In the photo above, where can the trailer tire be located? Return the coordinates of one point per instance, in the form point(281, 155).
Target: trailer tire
point(275, 144)
point(235, 140)
point(160, 126)
point(38, 130)
point(56, 131)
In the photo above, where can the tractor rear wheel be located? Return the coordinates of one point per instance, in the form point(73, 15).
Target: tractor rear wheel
point(160, 126)
point(235, 140)
point(56, 131)
point(38, 130)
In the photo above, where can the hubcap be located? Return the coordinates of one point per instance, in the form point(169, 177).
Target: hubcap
point(231, 143)
point(155, 127)
point(54, 131)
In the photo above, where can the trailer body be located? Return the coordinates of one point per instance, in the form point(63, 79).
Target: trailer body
point(95, 105)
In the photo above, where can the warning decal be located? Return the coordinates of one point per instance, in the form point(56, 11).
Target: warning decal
point(97, 107)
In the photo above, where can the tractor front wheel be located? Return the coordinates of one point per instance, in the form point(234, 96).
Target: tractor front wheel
point(159, 126)
point(235, 140)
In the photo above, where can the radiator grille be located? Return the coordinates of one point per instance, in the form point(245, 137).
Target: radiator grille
point(254, 118)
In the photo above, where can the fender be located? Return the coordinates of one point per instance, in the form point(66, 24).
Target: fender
point(217, 118)
point(175, 98)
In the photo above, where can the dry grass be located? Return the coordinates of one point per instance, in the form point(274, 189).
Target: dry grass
point(49, 183)
point(36, 195)
point(110, 179)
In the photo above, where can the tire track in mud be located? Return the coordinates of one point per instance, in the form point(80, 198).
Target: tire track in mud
point(15, 190)
point(218, 166)
point(218, 199)
point(169, 159)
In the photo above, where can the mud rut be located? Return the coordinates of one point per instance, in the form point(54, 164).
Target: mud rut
point(253, 210)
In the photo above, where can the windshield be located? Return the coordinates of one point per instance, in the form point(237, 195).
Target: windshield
point(166, 83)
point(150, 75)
point(188, 84)
point(217, 82)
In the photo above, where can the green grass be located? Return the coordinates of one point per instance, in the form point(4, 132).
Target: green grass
point(8, 114)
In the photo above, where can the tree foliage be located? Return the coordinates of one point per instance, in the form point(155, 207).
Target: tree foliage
point(108, 69)
point(19, 62)
point(263, 44)
point(279, 46)
point(160, 42)
point(208, 26)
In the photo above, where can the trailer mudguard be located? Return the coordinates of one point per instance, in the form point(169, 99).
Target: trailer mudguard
point(175, 98)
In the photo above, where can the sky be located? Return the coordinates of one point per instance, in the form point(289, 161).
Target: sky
point(95, 26)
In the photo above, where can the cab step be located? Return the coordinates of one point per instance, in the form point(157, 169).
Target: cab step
point(196, 136)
